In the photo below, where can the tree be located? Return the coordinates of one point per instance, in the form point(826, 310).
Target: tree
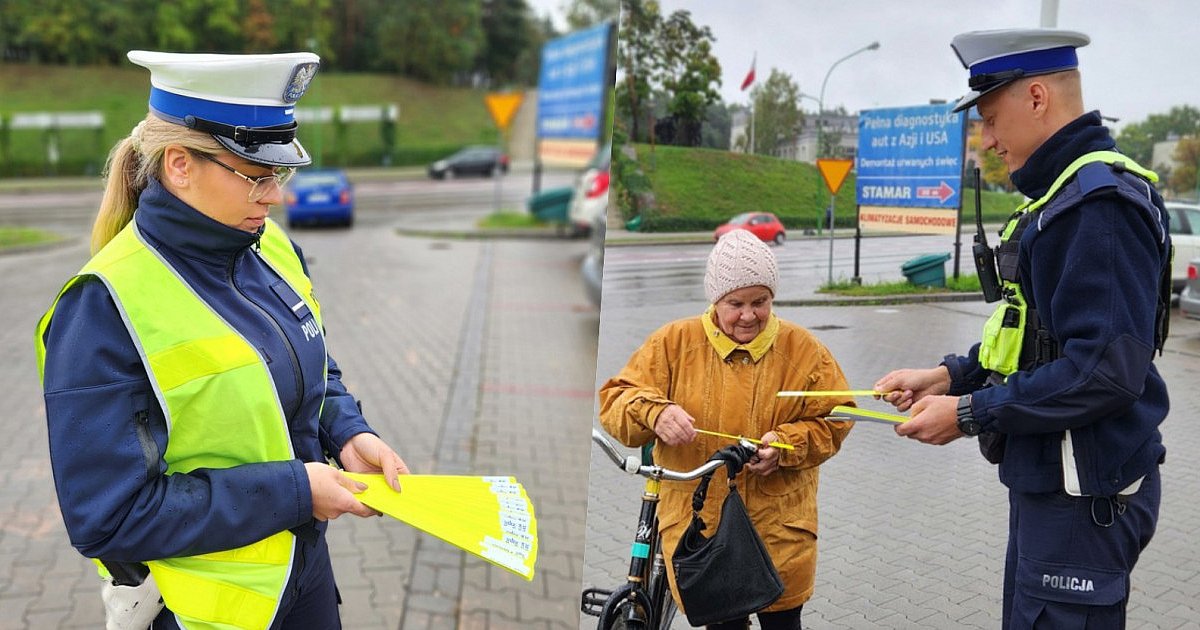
point(993, 171)
point(433, 40)
point(305, 25)
point(718, 123)
point(528, 63)
point(1187, 158)
point(690, 74)
point(639, 58)
point(507, 31)
point(584, 13)
point(776, 116)
point(258, 28)
point(1137, 139)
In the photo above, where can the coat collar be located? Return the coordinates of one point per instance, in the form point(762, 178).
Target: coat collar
point(1082, 135)
point(725, 346)
point(175, 224)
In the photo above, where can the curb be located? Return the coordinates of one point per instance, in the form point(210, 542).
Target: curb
point(882, 300)
point(499, 233)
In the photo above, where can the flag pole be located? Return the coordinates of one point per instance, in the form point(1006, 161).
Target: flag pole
point(746, 83)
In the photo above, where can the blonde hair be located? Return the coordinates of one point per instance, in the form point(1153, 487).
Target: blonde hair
point(131, 164)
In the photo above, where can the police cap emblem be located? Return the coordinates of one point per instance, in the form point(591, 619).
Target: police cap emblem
point(302, 75)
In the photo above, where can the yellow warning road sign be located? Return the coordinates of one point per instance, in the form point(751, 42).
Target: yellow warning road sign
point(502, 106)
point(834, 172)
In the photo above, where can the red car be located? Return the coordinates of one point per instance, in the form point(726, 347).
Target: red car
point(764, 225)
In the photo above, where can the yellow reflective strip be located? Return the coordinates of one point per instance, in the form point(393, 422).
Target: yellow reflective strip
point(212, 601)
point(191, 360)
point(276, 550)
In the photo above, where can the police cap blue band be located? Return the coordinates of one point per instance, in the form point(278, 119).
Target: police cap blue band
point(1031, 62)
point(176, 108)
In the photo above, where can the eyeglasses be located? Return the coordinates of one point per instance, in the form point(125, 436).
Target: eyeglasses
point(259, 186)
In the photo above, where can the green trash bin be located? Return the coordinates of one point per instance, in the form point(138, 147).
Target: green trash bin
point(926, 271)
point(551, 205)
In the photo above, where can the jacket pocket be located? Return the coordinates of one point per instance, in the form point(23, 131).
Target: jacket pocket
point(1070, 584)
point(784, 481)
point(141, 425)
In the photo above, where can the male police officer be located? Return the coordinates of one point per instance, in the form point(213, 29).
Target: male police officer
point(1061, 390)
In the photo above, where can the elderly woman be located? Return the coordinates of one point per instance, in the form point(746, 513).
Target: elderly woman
point(720, 372)
point(190, 400)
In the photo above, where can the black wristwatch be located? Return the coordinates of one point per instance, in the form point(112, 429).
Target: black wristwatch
point(966, 420)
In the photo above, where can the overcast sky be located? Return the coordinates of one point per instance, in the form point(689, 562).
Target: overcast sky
point(1144, 57)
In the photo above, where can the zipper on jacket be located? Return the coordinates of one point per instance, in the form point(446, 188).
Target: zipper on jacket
point(295, 360)
point(141, 421)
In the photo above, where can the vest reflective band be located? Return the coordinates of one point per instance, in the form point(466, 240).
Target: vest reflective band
point(222, 410)
point(1004, 332)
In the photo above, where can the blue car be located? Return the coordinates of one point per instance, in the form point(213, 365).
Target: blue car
point(319, 196)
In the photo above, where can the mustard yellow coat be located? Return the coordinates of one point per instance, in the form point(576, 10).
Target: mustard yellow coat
point(731, 388)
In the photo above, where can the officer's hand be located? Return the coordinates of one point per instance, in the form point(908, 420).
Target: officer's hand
point(674, 426)
point(366, 453)
point(333, 493)
point(905, 387)
point(934, 420)
point(766, 460)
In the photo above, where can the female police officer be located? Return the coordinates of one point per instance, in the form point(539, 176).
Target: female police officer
point(190, 400)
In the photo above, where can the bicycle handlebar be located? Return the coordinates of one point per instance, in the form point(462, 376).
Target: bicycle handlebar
point(633, 465)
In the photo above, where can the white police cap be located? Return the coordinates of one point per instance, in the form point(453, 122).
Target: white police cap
point(997, 58)
point(247, 102)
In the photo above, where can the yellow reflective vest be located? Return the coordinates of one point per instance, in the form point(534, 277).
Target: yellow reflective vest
point(200, 368)
point(1004, 333)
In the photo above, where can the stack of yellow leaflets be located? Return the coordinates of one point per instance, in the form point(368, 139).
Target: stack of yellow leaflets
point(490, 517)
point(853, 413)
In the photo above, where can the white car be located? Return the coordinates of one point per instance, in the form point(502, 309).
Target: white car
point(1189, 300)
point(1185, 234)
point(591, 192)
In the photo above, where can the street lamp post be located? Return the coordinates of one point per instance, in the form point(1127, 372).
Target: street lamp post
point(821, 98)
point(820, 125)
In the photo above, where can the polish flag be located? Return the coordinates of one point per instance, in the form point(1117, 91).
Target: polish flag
point(749, 80)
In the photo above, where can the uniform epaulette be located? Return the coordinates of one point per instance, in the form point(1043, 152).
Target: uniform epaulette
point(1088, 180)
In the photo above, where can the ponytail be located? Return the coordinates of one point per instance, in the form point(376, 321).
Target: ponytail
point(131, 164)
point(120, 193)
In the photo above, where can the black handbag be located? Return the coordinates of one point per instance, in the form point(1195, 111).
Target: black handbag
point(729, 575)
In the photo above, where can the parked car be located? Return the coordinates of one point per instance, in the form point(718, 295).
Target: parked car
point(592, 268)
point(476, 160)
point(1189, 300)
point(591, 192)
point(319, 196)
point(1185, 234)
point(764, 225)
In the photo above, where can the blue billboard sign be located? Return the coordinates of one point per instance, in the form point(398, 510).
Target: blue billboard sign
point(910, 157)
point(573, 84)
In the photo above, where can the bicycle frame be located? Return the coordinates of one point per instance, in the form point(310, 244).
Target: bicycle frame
point(644, 598)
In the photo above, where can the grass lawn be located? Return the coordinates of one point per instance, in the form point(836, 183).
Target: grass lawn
point(698, 189)
point(18, 236)
point(964, 284)
point(506, 219)
point(433, 121)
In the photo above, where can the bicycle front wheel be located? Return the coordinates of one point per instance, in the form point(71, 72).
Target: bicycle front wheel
point(629, 617)
point(625, 610)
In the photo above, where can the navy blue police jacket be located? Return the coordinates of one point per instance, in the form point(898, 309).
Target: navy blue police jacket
point(1091, 269)
point(107, 431)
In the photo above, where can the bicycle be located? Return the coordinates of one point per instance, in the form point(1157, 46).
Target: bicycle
point(644, 602)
